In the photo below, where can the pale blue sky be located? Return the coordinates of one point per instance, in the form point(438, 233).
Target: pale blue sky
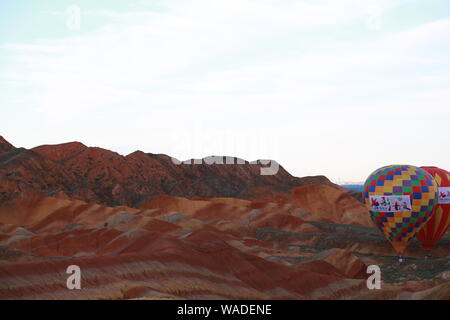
point(329, 87)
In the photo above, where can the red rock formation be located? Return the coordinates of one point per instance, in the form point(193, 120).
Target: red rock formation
point(103, 176)
point(174, 232)
point(172, 248)
point(5, 145)
point(60, 152)
point(24, 172)
point(330, 204)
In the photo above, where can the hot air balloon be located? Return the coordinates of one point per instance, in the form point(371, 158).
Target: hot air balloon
point(438, 224)
point(400, 199)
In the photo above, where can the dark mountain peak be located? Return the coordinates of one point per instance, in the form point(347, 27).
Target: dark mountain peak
point(136, 153)
point(5, 145)
point(60, 152)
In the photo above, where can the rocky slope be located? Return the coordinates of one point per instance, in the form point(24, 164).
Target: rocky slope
point(178, 248)
point(4, 145)
point(142, 227)
point(106, 177)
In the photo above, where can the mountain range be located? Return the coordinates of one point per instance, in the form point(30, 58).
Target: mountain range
point(106, 177)
point(143, 226)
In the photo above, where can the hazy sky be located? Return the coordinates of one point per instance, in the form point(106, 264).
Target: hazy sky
point(329, 87)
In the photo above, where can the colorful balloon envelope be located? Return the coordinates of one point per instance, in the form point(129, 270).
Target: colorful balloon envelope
point(400, 199)
point(438, 224)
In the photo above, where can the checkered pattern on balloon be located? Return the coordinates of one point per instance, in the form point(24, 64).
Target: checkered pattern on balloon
point(398, 226)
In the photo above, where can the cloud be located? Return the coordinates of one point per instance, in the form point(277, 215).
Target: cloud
point(236, 70)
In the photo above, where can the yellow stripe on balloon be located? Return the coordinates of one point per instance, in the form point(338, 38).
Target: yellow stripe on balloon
point(438, 217)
